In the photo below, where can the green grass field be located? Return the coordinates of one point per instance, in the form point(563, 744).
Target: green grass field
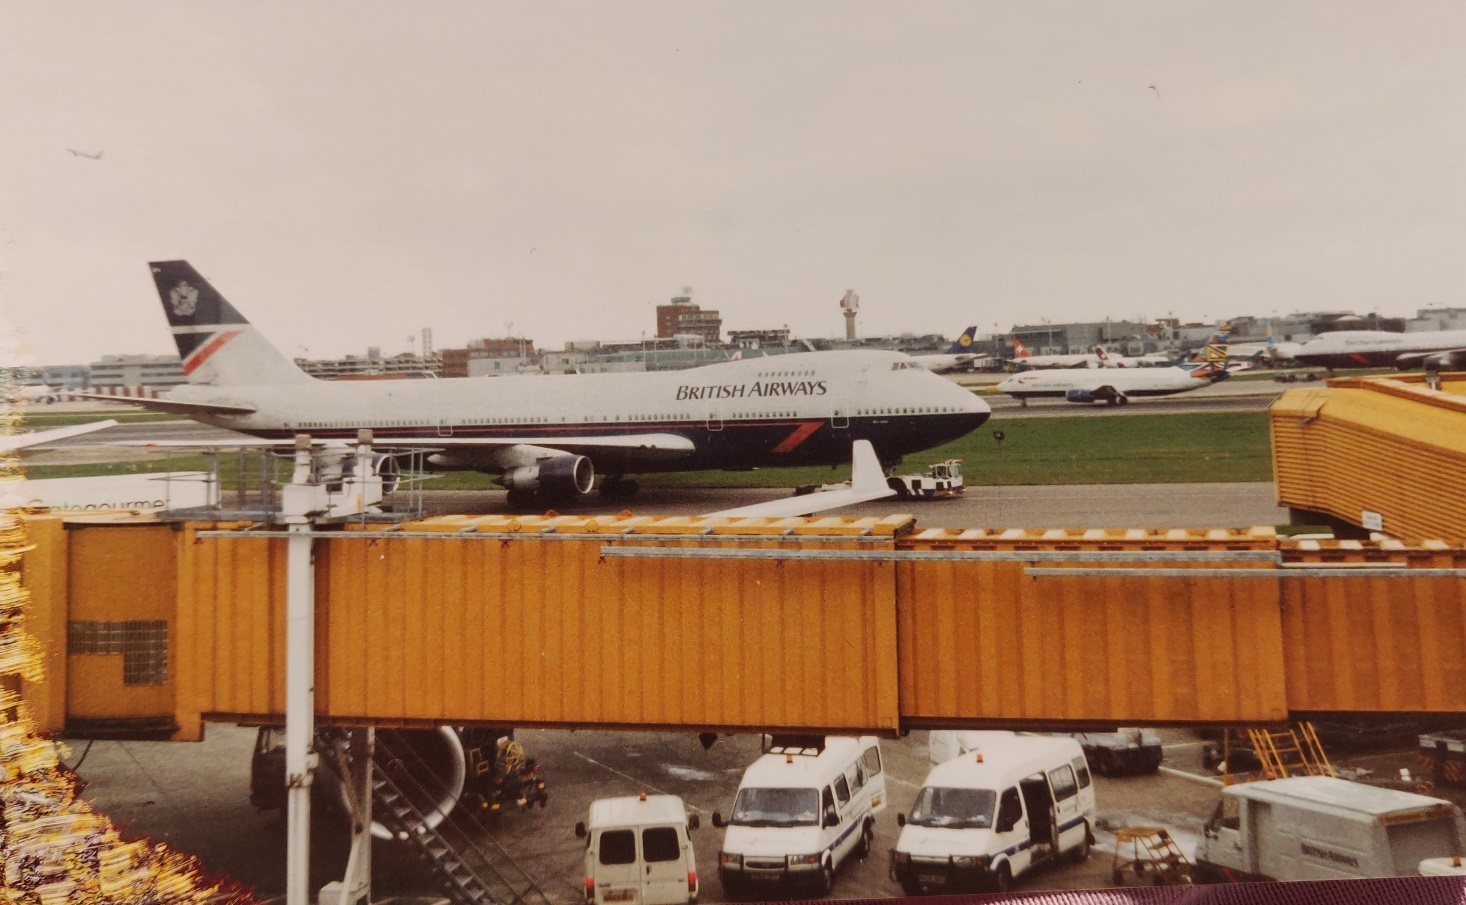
point(1130, 449)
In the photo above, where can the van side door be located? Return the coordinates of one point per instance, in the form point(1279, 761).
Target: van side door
point(1086, 788)
point(664, 865)
point(875, 777)
point(1010, 832)
point(831, 826)
point(1067, 813)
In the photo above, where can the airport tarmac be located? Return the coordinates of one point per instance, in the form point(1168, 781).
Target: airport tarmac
point(194, 797)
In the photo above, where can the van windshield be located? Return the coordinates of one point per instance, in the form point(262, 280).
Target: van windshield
point(776, 807)
point(961, 808)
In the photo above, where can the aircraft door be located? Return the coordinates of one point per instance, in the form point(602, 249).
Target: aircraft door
point(445, 427)
point(715, 418)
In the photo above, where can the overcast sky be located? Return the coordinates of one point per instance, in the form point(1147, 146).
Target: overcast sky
point(348, 173)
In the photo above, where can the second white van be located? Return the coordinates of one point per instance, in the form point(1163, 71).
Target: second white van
point(637, 851)
point(985, 818)
point(802, 810)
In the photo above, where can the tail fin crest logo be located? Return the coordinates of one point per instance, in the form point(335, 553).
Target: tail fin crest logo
point(183, 299)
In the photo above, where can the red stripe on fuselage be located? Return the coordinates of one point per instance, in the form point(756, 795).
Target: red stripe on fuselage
point(207, 349)
point(801, 433)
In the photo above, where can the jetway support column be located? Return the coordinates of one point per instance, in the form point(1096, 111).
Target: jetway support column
point(299, 502)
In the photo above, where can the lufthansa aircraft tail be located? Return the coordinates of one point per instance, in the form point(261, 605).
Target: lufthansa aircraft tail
point(217, 345)
point(963, 345)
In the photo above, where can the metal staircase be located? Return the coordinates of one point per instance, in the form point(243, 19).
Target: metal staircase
point(470, 866)
point(1295, 751)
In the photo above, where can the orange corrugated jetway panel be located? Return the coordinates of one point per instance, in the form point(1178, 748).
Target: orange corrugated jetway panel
point(1389, 446)
point(982, 640)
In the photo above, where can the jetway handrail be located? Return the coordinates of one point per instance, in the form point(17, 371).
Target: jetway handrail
point(1308, 571)
point(553, 534)
point(1019, 556)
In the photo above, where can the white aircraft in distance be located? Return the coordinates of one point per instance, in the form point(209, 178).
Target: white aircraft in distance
point(549, 435)
point(1117, 386)
point(1443, 349)
point(1022, 358)
point(38, 393)
point(958, 355)
point(13, 442)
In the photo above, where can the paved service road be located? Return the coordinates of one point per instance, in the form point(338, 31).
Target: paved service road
point(194, 797)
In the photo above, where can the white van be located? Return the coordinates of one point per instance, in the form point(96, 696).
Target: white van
point(638, 851)
point(987, 817)
point(802, 811)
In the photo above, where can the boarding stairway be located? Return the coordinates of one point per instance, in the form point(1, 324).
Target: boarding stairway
point(1295, 751)
point(470, 867)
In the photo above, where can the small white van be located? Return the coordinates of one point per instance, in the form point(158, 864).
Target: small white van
point(985, 818)
point(803, 809)
point(638, 851)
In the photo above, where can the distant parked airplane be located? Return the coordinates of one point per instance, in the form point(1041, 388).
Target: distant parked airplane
point(1445, 349)
point(1117, 386)
point(958, 355)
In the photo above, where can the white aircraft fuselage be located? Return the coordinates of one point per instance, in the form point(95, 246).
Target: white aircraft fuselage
point(1378, 348)
point(1108, 384)
point(798, 409)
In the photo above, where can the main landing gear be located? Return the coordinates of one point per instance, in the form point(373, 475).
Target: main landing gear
point(615, 487)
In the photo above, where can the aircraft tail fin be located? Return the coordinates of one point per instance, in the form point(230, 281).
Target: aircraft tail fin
point(217, 345)
point(1020, 350)
point(964, 342)
point(1211, 361)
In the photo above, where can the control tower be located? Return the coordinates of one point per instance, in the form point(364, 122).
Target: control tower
point(850, 304)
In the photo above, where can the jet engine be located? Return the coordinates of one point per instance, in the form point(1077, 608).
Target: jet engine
point(1079, 396)
point(556, 476)
point(429, 766)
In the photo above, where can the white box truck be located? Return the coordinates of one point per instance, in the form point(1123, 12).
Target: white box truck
point(638, 852)
point(1322, 828)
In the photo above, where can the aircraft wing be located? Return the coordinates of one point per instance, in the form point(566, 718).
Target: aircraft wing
point(36, 438)
point(1447, 355)
point(867, 482)
point(170, 406)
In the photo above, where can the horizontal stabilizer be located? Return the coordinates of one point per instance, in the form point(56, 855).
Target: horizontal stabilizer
point(169, 406)
point(867, 482)
point(36, 438)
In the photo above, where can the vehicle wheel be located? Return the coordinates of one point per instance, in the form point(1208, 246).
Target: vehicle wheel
point(1080, 852)
point(827, 878)
point(1003, 882)
point(733, 887)
point(900, 487)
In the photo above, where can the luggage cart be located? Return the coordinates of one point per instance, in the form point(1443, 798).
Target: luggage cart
point(1153, 853)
